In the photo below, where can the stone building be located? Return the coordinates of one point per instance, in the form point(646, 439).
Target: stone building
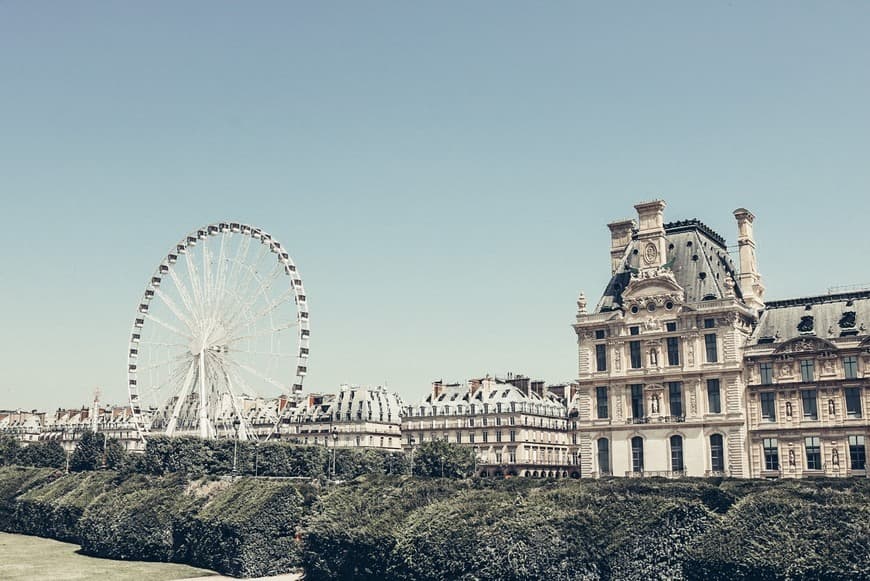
point(516, 426)
point(355, 417)
point(808, 373)
point(661, 386)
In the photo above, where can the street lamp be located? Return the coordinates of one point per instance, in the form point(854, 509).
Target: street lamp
point(236, 424)
point(442, 465)
point(334, 445)
point(411, 442)
point(256, 457)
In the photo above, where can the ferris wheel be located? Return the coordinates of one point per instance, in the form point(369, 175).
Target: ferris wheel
point(221, 330)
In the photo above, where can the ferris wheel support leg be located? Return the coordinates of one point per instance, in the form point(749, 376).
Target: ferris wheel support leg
point(204, 431)
point(188, 380)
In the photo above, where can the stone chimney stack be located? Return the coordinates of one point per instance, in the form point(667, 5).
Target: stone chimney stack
point(651, 241)
point(620, 238)
point(749, 279)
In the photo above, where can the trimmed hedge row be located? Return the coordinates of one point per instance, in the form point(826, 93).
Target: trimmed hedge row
point(387, 527)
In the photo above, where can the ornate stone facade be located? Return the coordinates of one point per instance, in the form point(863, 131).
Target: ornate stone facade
point(660, 388)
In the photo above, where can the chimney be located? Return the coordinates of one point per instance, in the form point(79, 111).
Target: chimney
point(437, 388)
point(651, 241)
point(538, 388)
point(620, 238)
point(749, 278)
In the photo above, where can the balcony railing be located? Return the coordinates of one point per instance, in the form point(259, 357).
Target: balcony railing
point(715, 473)
point(655, 474)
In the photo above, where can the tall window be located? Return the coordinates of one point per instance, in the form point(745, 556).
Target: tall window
point(604, 456)
point(671, 327)
point(458, 437)
point(714, 400)
point(709, 323)
point(768, 406)
point(486, 436)
point(675, 398)
point(850, 367)
point(599, 333)
point(717, 453)
point(513, 435)
point(601, 357)
point(857, 453)
point(601, 399)
point(498, 435)
point(771, 454)
point(811, 408)
point(814, 452)
point(808, 368)
point(766, 373)
point(637, 454)
point(634, 352)
point(673, 350)
point(710, 346)
point(677, 454)
point(853, 402)
point(637, 400)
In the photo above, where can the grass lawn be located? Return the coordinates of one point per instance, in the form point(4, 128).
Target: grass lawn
point(28, 558)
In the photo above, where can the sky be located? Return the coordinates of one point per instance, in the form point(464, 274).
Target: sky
point(441, 172)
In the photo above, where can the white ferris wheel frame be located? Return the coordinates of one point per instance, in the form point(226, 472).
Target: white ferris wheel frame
point(152, 290)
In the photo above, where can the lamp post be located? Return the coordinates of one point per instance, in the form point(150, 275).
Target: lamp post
point(442, 465)
point(411, 442)
point(256, 457)
point(334, 445)
point(236, 424)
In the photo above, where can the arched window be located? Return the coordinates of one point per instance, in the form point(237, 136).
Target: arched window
point(637, 454)
point(717, 453)
point(604, 456)
point(677, 454)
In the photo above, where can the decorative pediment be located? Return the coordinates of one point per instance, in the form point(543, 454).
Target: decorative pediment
point(658, 288)
point(804, 344)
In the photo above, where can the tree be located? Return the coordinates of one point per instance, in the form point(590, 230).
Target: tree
point(42, 455)
point(9, 448)
point(89, 452)
point(440, 458)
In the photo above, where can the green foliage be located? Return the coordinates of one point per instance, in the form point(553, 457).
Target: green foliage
point(14, 481)
point(248, 529)
point(389, 527)
point(42, 455)
point(136, 519)
point(440, 458)
point(184, 454)
point(787, 532)
point(9, 448)
point(352, 532)
point(92, 451)
point(53, 509)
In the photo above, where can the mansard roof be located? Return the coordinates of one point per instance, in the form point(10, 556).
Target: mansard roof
point(824, 316)
point(696, 255)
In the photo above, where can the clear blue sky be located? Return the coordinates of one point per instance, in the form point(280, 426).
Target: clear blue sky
point(441, 172)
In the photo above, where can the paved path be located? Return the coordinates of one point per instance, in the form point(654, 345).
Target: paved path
point(283, 577)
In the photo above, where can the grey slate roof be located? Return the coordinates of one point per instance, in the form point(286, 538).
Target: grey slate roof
point(824, 316)
point(697, 256)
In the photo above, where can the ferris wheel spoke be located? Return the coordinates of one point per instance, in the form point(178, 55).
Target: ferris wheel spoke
point(221, 272)
point(164, 362)
point(182, 395)
point(237, 262)
point(184, 294)
point(262, 333)
point(165, 325)
point(194, 282)
point(258, 375)
point(265, 286)
point(175, 310)
point(207, 287)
